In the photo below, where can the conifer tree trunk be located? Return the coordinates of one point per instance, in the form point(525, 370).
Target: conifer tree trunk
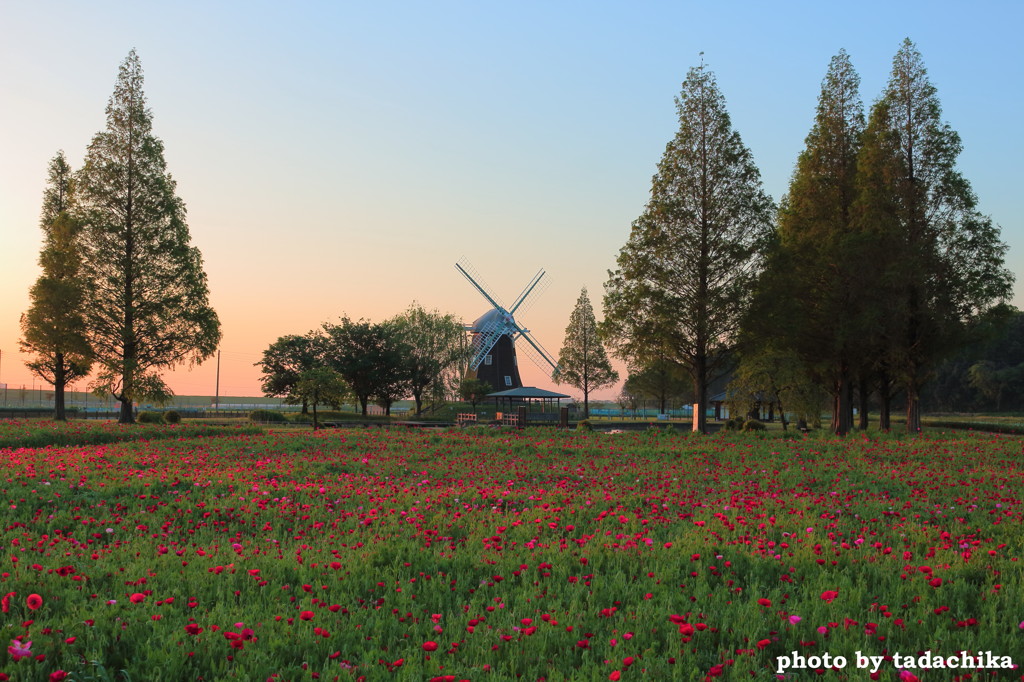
point(885, 402)
point(842, 411)
point(864, 394)
point(58, 388)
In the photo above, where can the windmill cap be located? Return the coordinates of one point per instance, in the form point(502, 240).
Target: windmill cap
point(488, 318)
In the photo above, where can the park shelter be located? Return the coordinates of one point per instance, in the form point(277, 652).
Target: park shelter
point(534, 399)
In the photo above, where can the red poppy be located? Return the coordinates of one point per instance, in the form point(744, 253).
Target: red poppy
point(430, 646)
point(33, 601)
point(615, 675)
point(764, 602)
point(137, 598)
point(306, 615)
point(829, 595)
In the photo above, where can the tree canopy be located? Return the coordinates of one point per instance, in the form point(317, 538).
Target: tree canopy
point(370, 358)
point(435, 352)
point(284, 362)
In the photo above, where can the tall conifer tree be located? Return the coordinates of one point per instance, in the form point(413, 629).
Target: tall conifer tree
point(686, 272)
point(945, 264)
point(53, 328)
point(583, 362)
point(148, 298)
point(819, 253)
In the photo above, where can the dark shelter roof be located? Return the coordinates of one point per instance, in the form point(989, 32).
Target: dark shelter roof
point(527, 393)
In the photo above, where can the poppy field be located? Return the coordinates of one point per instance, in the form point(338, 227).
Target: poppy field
point(479, 554)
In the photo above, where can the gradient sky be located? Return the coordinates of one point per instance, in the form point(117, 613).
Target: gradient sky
point(339, 157)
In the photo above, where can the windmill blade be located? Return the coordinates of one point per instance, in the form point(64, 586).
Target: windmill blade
point(470, 273)
point(526, 292)
point(485, 338)
point(533, 295)
point(540, 357)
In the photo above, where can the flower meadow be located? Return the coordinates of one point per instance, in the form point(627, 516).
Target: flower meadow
point(478, 554)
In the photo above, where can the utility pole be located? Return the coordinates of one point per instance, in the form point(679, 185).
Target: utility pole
point(216, 398)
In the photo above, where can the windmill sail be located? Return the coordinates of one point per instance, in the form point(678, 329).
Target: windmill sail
point(495, 332)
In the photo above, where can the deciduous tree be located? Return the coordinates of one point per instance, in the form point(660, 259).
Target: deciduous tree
point(285, 360)
point(767, 373)
point(473, 390)
point(662, 381)
point(685, 275)
point(436, 350)
point(320, 386)
point(148, 306)
point(370, 358)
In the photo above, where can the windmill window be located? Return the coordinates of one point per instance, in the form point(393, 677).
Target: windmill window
point(508, 380)
point(488, 360)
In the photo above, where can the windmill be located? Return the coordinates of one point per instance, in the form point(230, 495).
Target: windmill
point(496, 331)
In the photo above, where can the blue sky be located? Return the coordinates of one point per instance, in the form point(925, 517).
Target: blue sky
point(340, 157)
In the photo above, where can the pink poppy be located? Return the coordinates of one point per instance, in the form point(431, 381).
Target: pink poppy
point(19, 650)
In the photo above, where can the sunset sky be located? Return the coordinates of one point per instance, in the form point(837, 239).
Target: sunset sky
point(339, 157)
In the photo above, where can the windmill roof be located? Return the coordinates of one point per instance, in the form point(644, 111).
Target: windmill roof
point(526, 392)
point(486, 319)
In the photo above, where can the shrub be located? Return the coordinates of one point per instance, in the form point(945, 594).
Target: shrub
point(754, 425)
point(266, 416)
point(584, 425)
point(150, 418)
point(734, 424)
point(172, 417)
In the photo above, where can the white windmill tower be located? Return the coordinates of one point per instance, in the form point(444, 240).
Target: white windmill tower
point(496, 331)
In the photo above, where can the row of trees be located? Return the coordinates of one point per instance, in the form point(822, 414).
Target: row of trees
point(122, 292)
point(985, 375)
point(420, 353)
point(876, 265)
